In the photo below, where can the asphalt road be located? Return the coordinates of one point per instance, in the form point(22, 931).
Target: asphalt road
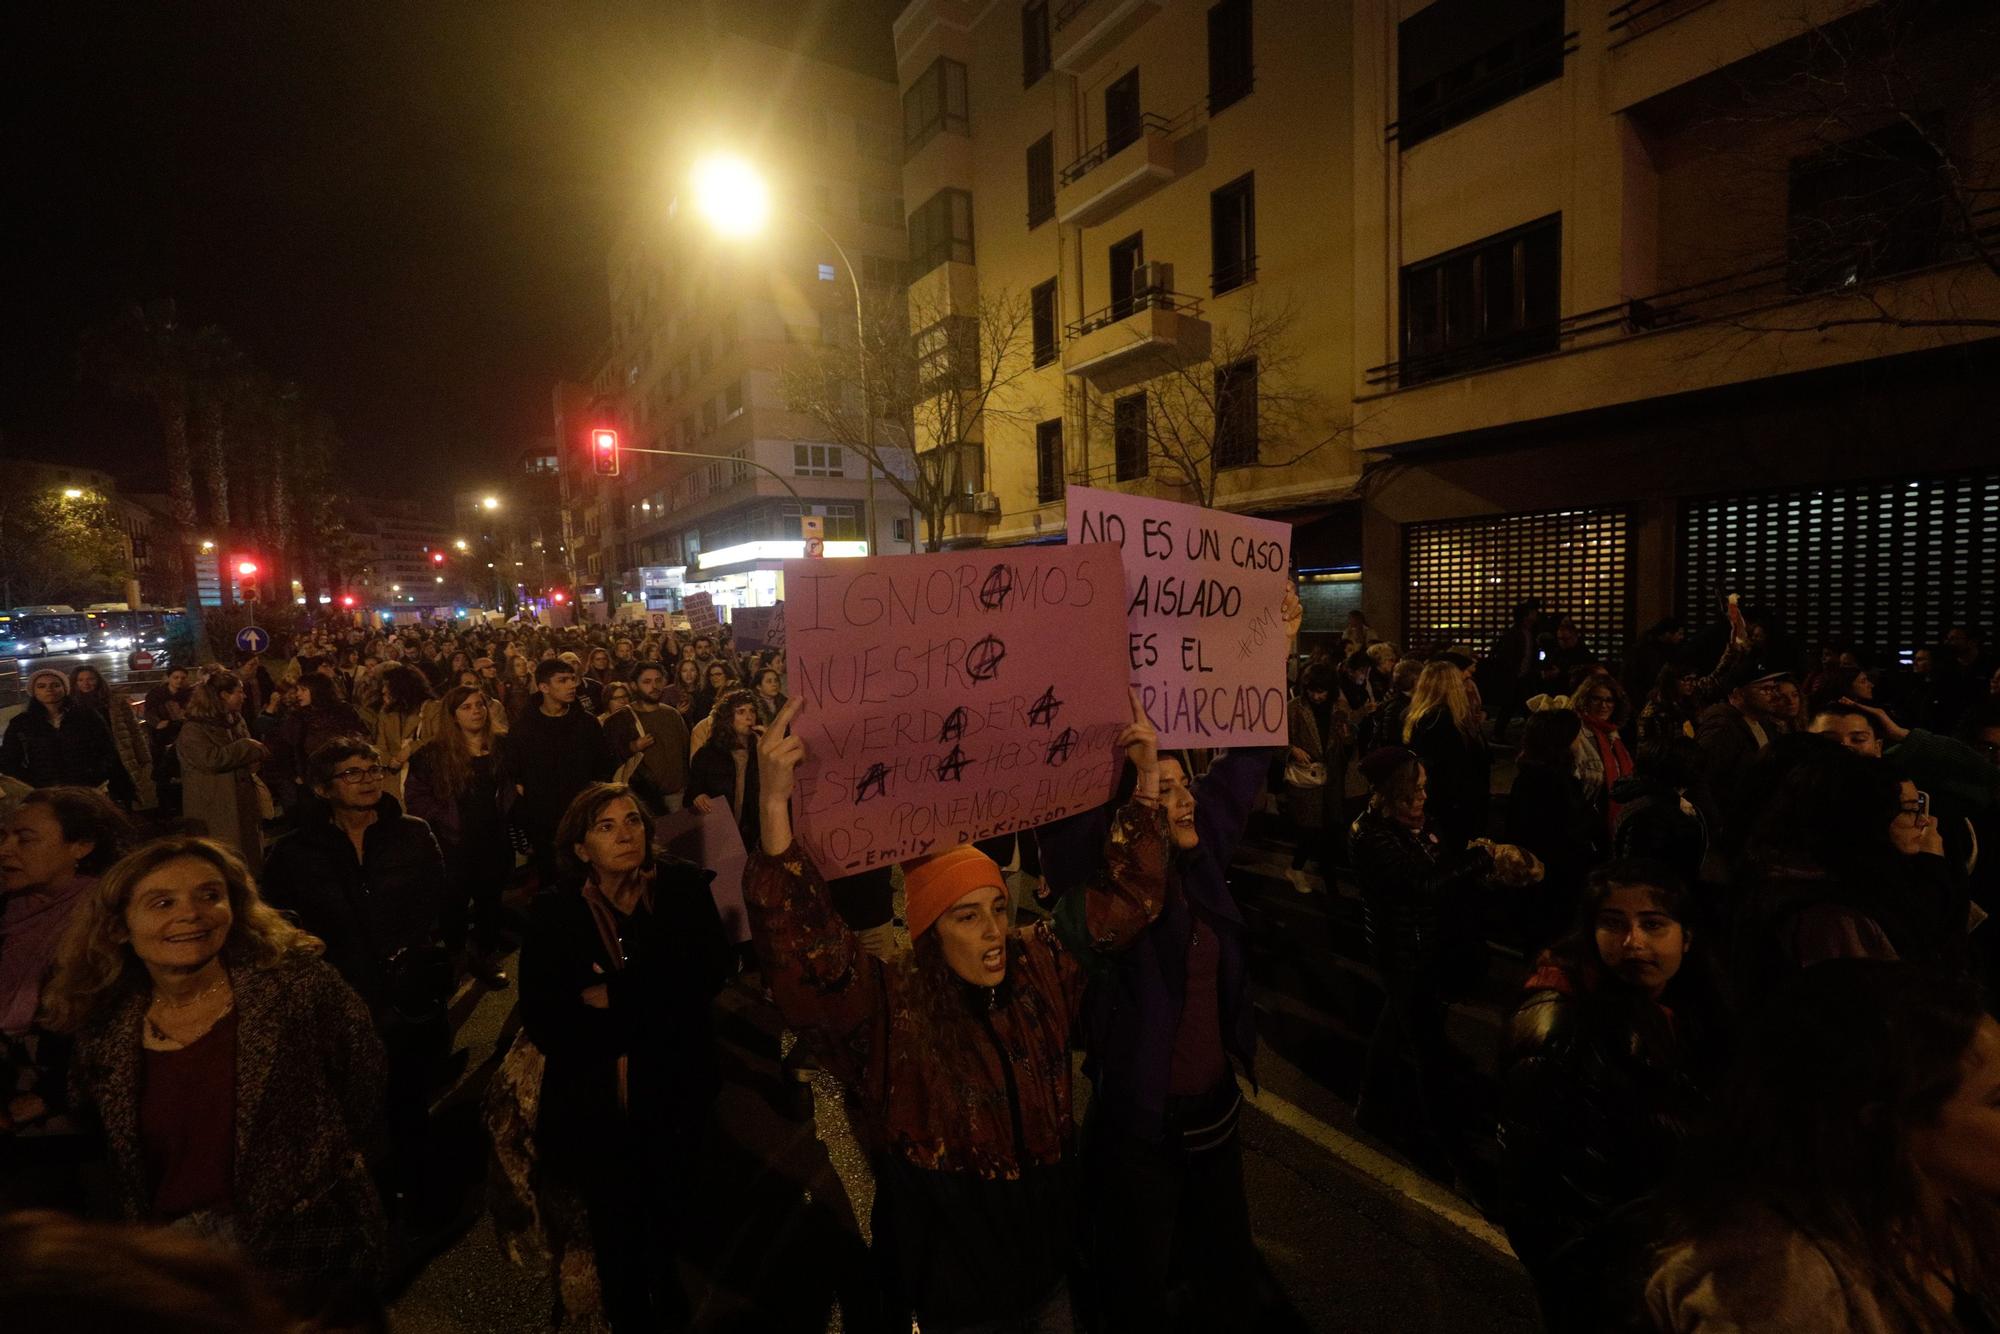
point(1352, 1236)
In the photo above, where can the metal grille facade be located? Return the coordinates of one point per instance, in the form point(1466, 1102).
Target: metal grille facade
point(1889, 565)
point(1463, 576)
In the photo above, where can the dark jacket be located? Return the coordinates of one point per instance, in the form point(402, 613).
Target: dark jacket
point(1132, 1010)
point(971, 1127)
point(1547, 815)
point(1418, 905)
point(309, 1087)
point(366, 909)
point(554, 759)
point(1598, 1096)
point(677, 958)
point(712, 773)
point(425, 794)
point(306, 730)
point(80, 752)
point(1458, 771)
point(1727, 747)
point(1652, 824)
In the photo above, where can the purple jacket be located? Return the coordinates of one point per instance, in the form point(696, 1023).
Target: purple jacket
point(1133, 1006)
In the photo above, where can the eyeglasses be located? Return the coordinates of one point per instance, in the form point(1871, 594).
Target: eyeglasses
point(360, 775)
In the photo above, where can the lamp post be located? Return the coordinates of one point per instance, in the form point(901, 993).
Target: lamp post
point(736, 201)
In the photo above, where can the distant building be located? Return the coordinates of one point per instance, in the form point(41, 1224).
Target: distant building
point(396, 537)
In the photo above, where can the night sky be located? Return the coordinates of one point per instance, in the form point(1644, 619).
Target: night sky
point(401, 207)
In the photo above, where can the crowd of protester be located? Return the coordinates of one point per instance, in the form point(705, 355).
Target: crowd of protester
point(1749, 1082)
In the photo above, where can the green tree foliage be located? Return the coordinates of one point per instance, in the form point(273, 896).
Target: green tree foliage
point(57, 549)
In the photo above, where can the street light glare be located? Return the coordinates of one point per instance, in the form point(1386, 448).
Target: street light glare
point(491, 502)
point(731, 195)
point(72, 493)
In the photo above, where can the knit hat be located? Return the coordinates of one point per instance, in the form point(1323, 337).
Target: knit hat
point(1379, 766)
point(46, 671)
point(932, 885)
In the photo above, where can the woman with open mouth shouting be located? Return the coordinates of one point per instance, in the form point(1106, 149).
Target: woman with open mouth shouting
point(956, 1055)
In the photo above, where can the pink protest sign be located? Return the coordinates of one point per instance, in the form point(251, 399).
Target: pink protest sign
point(1205, 636)
point(952, 697)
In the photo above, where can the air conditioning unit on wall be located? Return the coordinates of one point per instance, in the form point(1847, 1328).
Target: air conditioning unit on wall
point(987, 504)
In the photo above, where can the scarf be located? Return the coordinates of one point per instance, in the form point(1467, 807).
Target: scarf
point(1617, 762)
point(605, 915)
point(31, 925)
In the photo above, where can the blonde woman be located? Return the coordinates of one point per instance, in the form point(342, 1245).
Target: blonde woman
point(236, 1078)
point(1442, 727)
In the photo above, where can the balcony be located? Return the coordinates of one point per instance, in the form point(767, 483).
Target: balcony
point(1136, 340)
point(1112, 175)
point(1087, 30)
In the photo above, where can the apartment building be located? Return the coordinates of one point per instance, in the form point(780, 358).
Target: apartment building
point(1161, 187)
point(1660, 300)
point(705, 325)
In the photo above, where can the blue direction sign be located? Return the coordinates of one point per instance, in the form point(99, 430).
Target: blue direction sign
point(253, 639)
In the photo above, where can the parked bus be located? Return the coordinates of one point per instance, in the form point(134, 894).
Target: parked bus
point(34, 632)
point(115, 625)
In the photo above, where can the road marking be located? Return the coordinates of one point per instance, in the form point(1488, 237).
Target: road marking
point(1405, 1181)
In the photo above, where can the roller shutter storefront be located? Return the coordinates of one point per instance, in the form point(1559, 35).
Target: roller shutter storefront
point(1889, 565)
point(1463, 576)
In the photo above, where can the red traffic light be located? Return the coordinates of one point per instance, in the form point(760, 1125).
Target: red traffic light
point(604, 452)
point(437, 558)
point(557, 596)
point(246, 567)
point(347, 599)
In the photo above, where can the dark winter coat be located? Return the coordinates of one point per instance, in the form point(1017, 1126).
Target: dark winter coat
point(1597, 1100)
point(553, 760)
point(712, 773)
point(677, 958)
point(1419, 905)
point(1458, 771)
point(81, 752)
point(1727, 747)
point(425, 796)
point(366, 909)
point(309, 1088)
point(307, 729)
point(1652, 824)
point(1132, 1011)
point(1548, 815)
point(971, 1126)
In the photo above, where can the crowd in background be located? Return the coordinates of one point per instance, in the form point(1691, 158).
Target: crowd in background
point(1750, 1081)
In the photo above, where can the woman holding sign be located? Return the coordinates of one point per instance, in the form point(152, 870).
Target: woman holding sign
point(957, 1056)
point(1167, 1025)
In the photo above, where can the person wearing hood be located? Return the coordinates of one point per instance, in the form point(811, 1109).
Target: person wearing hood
point(56, 742)
point(219, 760)
point(369, 881)
point(56, 843)
point(956, 1057)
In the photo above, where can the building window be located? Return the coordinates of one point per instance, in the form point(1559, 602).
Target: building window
point(732, 401)
point(1864, 209)
point(1123, 119)
point(1034, 41)
point(1128, 436)
point(1463, 576)
point(941, 231)
point(876, 271)
point(1460, 58)
point(827, 273)
point(1041, 180)
point(1494, 301)
point(899, 529)
point(1236, 414)
point(1126, 257)
point(708, 419)
point(1232, 230)
point(817, 461)
point(1230, 74)
point(881, 208)
point(1042, 322)
point(948, 355)
point(1048, 461)
point(935, 102)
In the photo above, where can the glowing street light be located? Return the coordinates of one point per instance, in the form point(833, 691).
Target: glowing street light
point(490, 503)
point(461, 545)
point(732, 195)
point(72, 493)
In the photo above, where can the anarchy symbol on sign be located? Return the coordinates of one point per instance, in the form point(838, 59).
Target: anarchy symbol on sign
point(1043, 712)
point(954, 726)
point(982, 663)
point(952, 767)
point(999, 583)
point(874, 783)
point(1060, 748)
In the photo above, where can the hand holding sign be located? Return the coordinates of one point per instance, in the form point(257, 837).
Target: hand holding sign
point(778, 756)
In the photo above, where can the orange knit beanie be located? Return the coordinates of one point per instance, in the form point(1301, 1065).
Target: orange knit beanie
point(932, 885)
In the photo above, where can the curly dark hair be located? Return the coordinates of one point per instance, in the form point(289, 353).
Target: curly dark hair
point(721, 735)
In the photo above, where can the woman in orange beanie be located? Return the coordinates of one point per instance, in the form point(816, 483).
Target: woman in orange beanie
point(956, 1055)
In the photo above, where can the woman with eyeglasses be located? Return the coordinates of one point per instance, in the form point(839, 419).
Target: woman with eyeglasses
point(1602, 761)
point(1846, 862)
point(617, 975)
point(219, 760)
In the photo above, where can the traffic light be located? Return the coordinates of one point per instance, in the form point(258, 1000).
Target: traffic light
point(558, 596)
point(604, 452)
point(347, 599)
point(437, 558)
point(246, 579)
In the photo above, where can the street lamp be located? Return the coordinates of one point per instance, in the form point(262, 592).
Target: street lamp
point(490, 503)
point(733, 196)
point(72, 493)
point(460, 544)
